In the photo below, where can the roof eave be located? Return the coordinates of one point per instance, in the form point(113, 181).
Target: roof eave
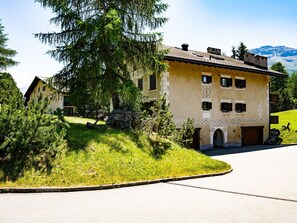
point(265, 72)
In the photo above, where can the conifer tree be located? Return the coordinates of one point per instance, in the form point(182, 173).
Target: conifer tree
point(239, 51)
point(6, 54)
point(103, 42)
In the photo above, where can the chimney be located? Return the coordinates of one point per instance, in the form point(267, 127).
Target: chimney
point(212, 50)
point(256, 60)
point(185, 46)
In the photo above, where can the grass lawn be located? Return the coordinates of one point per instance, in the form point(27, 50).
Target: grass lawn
point(108, 156)
point(288, 137)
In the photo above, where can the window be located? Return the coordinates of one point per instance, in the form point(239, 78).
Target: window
point(38, 89)
point(206, 79)
point(153, 82)
point(226, 107)
point(240, 83)
point(226, 82)
point(240, 107)
point(206, 106)
point(140, 84)
point(43, 88)
point(67, 101)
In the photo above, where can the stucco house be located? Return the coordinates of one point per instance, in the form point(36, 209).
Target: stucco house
point(229, 99)
point(40, 86)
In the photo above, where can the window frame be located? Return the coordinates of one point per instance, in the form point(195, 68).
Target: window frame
point(226, 107)
point(207, 78)
point(240, 83)
point(240, 107)
point(206, 105)
point(140, 84)
point(229, 82)
point(150, 82)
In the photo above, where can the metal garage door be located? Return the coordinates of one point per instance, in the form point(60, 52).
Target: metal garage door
point(252, 135)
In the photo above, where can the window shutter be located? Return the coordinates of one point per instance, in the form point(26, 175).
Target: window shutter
point(229, 82)
point(209, 79)
point(229, 106)
point(243, 107)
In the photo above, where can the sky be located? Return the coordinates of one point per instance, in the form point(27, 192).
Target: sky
point(199, 23)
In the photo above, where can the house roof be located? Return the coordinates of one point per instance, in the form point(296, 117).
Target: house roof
point(33, 85)
point(213, 60)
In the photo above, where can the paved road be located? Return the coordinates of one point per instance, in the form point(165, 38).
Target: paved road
point(262, 188)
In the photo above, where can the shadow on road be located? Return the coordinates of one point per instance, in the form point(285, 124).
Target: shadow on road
point(227, 151)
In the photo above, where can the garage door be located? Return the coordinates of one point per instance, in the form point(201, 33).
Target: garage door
point(252, 135)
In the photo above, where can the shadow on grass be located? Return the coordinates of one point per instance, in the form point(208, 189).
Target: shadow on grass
point(246, 149)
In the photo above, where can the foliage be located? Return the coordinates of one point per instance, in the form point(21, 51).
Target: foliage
point(277, 84)
point(160, 120)
point(6, 54)
point(292, 87)
point(279, 87)
point(239, 51)
point(185, 135)
point(108, 156)
point(102, 43)
point(29, 138)
point(9, 93)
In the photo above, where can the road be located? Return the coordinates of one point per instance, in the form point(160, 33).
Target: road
point(262, 188)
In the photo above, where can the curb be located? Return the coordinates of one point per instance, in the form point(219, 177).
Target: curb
point(105, 187)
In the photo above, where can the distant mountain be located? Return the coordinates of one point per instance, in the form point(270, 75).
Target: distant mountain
point(283, 54)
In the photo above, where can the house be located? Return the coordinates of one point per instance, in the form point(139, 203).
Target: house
point(228, 99)
point(40, 86)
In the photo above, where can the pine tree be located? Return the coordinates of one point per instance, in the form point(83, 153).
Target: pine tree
point(10, 94)
point(6, 54)
point(103, 42)
point(234, 53)
point(278, 86)
point(241, 51)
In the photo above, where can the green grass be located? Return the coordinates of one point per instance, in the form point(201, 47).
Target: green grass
point(288, 137)
point(108, 156)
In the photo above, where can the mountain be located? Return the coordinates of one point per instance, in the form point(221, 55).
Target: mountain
point(283, 54)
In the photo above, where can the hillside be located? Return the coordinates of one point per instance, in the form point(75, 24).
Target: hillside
point(283, 54)
point(108, 156)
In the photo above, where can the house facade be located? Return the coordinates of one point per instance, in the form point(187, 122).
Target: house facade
point(228, 99)
point(40, 86)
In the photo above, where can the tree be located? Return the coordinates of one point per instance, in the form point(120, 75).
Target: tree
point(6, 54)
point(239, 52)
point(234, 53)
point(9, 92)
point(278, 86)
point(103, 42)
point(292, 87)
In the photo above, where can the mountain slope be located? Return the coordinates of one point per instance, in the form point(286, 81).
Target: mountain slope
point(283, 54)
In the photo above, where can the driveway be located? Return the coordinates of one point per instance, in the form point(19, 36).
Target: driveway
point(262, 188)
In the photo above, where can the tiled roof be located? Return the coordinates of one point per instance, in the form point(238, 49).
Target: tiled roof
point(213, 60)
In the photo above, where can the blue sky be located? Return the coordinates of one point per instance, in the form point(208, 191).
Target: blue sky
point(200, 23)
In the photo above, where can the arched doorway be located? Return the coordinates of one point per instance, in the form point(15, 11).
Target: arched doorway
point(218, 139)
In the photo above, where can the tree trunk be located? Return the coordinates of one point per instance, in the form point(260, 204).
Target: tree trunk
point(115, 100)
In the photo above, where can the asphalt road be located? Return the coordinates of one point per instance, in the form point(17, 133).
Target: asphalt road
point(262, 188)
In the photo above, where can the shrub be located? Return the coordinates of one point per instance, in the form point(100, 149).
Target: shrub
point(160, 120)
point(184, 137)
point(28, 138)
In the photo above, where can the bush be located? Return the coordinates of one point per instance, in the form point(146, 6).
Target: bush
point(160, 120)
point(28, 138)
point(184, 137)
